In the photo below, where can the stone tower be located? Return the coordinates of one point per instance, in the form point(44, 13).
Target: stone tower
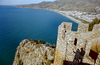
point(68, 42)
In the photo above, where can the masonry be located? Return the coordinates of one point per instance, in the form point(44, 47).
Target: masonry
point(68, 42)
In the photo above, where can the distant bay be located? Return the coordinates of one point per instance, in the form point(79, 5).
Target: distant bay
point(17, 24)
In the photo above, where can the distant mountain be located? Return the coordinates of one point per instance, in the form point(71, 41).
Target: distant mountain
point(96, 1)
point(69, 5)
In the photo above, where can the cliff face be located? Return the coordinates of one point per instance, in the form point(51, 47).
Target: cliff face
point(30, 52)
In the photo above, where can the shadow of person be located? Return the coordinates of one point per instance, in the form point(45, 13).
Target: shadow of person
point(82, 53)
point(76, 57)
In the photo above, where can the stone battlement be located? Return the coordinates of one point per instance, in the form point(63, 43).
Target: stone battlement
point(82, 28)
point(69, 42)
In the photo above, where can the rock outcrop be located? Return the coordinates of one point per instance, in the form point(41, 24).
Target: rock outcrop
point(30, 52)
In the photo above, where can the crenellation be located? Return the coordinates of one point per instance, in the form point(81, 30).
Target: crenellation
point(67, 26)
point(68, 42)
point(83, 28)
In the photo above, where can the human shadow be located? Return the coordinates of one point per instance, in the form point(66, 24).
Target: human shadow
point(79, 56)
point(73, 63)
point(82, 53)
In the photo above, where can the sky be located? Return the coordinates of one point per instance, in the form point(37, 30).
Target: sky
point(19, 2)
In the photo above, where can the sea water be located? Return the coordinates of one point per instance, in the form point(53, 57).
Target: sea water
point(17, 24)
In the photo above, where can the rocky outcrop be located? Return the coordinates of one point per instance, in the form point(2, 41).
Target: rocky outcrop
point(30, 52)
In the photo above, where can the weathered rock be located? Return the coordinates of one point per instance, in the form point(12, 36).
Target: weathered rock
point(29, 52)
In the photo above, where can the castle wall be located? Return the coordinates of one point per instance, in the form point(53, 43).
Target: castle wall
point(83, 28)
point(68, 42)
point(96, 27)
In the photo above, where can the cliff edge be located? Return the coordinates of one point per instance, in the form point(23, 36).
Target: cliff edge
point(30, 52)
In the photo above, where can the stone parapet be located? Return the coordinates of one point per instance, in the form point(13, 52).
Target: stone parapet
point(71, 45)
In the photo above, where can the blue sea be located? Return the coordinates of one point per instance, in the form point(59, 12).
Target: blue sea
point(17, 24)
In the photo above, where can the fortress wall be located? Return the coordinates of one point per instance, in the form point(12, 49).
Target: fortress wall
point(96, 27)
point(61, 35)
point(83, 28)
point(70, 48)
point(81, 43)
point(60, 39)
point(96, 45)
point(86, 45)
point(67, 25)
point(92, 35)
point(87, 58)
point(69, 41)
point(61, 45)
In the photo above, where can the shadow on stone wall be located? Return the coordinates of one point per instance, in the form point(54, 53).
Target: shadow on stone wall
point(79, 55)
point(78, 58)
point(74, 63)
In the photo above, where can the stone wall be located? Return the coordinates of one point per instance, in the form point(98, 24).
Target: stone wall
point(83, 28)
point(96, 27)
point(69, 42)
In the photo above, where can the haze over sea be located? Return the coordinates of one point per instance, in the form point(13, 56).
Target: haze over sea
point(17, 24)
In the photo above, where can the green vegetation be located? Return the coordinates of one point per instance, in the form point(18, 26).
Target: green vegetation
point(31, 40)
point(48, 62)
point(54, 45)
point(18, 55)
point(41, 41)
point(20, 62)
point(83, 21)
point(95, 21)
point(27, 52)
point(49, 44)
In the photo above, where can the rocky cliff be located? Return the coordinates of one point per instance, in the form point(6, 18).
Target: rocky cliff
point(30, 52)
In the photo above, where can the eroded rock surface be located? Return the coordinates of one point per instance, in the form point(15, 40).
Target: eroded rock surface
point(30, 52)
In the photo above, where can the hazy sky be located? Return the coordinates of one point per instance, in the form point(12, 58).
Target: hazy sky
point(16, 2)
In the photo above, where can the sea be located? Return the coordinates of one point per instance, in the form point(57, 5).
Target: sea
point(17, 24)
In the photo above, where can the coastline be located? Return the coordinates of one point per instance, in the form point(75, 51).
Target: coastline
point(75, 20)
